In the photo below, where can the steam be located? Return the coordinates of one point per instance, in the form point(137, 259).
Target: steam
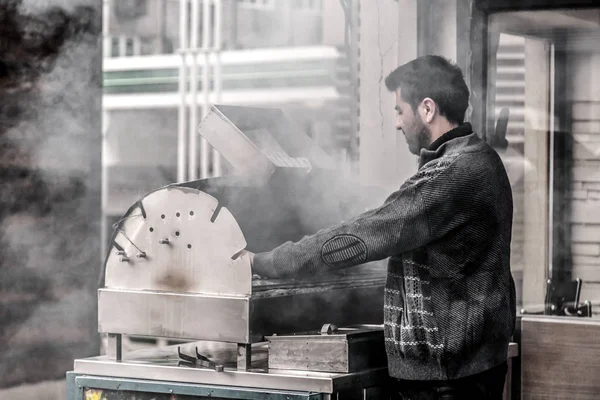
point(50, 224)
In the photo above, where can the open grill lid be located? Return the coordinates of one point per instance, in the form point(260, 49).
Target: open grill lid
point(284, 186)
point(256, 141)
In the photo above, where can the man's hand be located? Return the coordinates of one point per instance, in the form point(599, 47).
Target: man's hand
point(260, 274)
point(249, 255)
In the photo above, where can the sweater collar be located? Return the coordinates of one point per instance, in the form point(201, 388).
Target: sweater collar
point(461, 130)
point(430, 152)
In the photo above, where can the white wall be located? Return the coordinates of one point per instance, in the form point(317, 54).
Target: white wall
point(388, 38)
point(333, 22)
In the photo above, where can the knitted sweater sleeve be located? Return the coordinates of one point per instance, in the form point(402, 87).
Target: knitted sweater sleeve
point(401, 224)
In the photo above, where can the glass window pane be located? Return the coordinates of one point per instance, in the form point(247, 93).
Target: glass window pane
point(544, 121)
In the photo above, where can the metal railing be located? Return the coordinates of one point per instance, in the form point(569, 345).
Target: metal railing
point(188, 120)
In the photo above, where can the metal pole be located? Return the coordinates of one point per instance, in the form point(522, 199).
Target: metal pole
point(107, 50)
point(193, 153)
point(104, 235)
point(106, 41)
point(204, 150)
point(181, 123)
point(217, 74)
point(550, 245)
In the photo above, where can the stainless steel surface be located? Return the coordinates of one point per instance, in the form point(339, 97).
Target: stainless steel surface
point(244, 357)
point(189, 243)
point(236, 148)
point(174, 315)
point(257, 140)
point(234, 319)
point(339, 334)
point(328, 329)
point(347, 350)
point(273, 379)
point(161, 364)
point(115, 346)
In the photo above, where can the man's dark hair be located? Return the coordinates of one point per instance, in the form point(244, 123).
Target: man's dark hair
point(434, 77)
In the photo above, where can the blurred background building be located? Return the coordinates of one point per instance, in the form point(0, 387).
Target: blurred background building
point(167, 61)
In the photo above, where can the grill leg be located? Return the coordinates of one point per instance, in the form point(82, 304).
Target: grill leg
point(244, 356)
point(115, 346)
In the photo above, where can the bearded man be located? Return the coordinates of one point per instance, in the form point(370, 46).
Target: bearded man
point(449, 303)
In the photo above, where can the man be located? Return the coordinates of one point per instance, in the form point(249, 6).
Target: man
point(449, 300)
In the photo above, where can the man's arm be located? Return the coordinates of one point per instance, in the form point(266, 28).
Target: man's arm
point(401, 224)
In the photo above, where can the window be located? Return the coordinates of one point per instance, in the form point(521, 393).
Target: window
point(123, 46)
point(544, 119)
point(309, 5)
point(258, 4)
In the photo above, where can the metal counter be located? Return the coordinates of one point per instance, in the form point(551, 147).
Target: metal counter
point(161, 365)
point(155, 374)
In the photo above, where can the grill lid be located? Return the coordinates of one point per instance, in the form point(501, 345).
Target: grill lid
point(256, 141)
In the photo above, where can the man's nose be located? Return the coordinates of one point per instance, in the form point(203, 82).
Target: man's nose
point(398, 123)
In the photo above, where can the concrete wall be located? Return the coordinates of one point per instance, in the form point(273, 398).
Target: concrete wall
point(333, 22)
point(388, 38)
point(442, 40)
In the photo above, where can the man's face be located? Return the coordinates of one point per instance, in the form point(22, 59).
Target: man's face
point(409, 121)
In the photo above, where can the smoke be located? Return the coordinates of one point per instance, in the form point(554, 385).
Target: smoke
point(50, 174)
point(39, 7)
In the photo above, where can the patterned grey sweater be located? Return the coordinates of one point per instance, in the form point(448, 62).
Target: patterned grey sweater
point(449, 305)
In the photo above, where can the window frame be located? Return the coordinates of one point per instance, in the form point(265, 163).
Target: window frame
point(262, 5)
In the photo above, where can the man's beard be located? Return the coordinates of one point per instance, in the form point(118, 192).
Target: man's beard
point(422, 138)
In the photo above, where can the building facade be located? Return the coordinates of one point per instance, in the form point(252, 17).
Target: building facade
point(294, 55)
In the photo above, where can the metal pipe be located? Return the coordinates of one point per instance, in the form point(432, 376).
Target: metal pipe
point(550, 245)
point(206, 37)
point(218, 25)
point(217, 73)
point(193, 151)
point(181, 123)
point(107, 50)
point(104, 225)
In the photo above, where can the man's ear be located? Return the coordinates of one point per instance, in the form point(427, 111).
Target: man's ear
point(429, 109)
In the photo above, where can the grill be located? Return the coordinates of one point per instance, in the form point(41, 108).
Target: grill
point(174, 269)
